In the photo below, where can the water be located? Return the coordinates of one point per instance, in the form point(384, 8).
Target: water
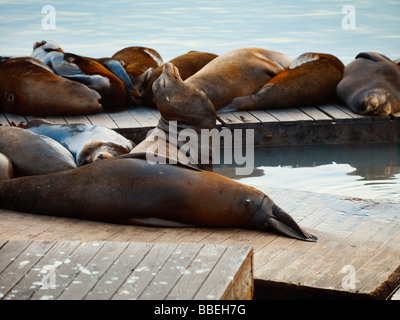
point(100, 28)
point(370, 171)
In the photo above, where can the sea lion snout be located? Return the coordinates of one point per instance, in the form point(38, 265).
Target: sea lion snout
point(377, 102)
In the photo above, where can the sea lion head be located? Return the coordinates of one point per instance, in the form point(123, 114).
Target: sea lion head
point(96, 150)
point(376, 102)
point(180, 102)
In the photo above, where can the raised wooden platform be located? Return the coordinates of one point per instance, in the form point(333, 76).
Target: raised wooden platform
point(327, 124)
point(74, 270)
point(357, 255)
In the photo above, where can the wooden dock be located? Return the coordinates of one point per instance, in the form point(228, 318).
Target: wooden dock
point(358, 252)
point(327, 124)
point(357, 255)
point(74, 270)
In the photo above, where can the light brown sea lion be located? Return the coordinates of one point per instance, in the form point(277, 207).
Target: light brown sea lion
point(29, 87)
point(84, 70)
point(128, 188)
point(238, 73)
point(139, 62)
point(87, 143)
point(33, 154)
point(6, 168)
point(371, 85)
point(188, 64)
point(311, 79)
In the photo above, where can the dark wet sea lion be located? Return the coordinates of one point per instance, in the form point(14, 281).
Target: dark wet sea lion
point(87, 143)
point(311, 79)
point(128, 188)
point(29, 87)
point(188, 64)
point(371, 85)
point(33, 154)
point(6, 168)
point(238, 73)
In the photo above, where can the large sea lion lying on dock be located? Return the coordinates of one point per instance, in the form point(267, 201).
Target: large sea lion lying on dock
point(29, 87)
point(311, 79)
point(128, 188)
point(371, 85)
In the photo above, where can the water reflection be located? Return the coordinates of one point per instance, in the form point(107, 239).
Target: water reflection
point(371, 170)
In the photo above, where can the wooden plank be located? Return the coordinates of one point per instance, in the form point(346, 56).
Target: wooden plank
point(119, 272)
point(72, 265)
point(124, 120)
point(355, 116)
point(197, 272)
point(218, 283)
point(77, 119)
point(88, 276)
point(335, 113)
point(246, 117)
point(145, 117)
point(46, 266)
point(282, 115)
point(317, 115)
point(171, 271)
point(299, 116)
point(20, 266)
point(10, 250)
point(228, 119)
point(264, 117)
point(145, 271)
point(102, 119)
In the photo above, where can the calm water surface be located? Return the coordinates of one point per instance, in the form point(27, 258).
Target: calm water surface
point(100, 28)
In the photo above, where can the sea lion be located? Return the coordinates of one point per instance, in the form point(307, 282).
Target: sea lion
point(29, 87)
point(127, 188)
point(87, 143)
point(173, 95)
point(238, 73)
point(139, 62)
point(371, 85)
point(6, 168)
point(33, 154)
point(311, 79)
point(188, 64)
point(84, 70)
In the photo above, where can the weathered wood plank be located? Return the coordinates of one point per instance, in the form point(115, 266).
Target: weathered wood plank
point(88, 276)
point(145, 271)
point(171, 271)
point(20, 266)
point(335, 113)
point(71, 266)
point(10, 250)
point(246, 118)
point(264, 117)
point(145, 117)
point(77, 119)
point(317, 115)
point(102, 119)
point(47, 266)
point(228, 119)
point(218, 283)
point(119, 272)
point(198, 271)
point(124, 120)
point(355, 116)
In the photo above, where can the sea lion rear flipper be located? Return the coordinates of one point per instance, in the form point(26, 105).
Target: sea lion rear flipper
point(116, 68)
